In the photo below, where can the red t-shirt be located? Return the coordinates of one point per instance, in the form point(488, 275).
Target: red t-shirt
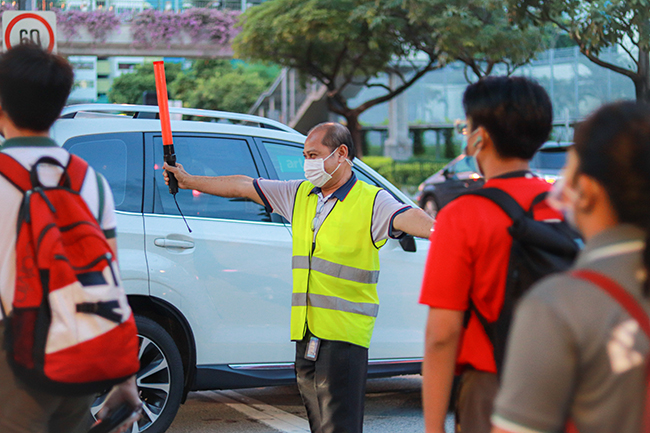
point(468, 259)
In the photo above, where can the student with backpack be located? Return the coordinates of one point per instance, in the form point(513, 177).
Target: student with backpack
point(578, 352)
point(66, 329)
point(471, 278)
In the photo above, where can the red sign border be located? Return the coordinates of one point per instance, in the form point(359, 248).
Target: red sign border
point(33, 16)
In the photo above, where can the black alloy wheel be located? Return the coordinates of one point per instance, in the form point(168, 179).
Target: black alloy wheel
point(159, 380)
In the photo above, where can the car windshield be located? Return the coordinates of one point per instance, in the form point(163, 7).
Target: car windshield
point(549, 159)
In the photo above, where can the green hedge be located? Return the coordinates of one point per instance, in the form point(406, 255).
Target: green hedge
point(403, 174)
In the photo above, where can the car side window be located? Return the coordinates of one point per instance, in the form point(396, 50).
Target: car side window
point(288, 162)
point(119, 158)
point(208, 156)
point(463, 166)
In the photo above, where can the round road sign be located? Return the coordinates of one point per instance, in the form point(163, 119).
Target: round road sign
point(29, 27)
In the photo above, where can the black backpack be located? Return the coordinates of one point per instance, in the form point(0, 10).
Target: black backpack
point(539, 248)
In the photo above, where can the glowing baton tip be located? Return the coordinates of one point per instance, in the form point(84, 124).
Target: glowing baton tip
point(163, 104)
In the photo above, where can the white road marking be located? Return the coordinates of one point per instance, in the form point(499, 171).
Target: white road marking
point(262, 412)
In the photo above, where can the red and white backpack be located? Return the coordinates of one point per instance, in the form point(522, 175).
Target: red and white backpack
point(71, 330)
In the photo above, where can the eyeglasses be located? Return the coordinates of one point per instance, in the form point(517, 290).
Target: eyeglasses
point(461, 127)
point(319, 210)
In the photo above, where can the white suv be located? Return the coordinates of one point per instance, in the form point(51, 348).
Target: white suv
point(213, 306)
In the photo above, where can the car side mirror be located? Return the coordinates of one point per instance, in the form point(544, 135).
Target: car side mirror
point(408, 244)
point(446, 173)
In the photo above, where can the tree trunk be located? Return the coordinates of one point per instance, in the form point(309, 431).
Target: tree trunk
point(355, 129)
point(642, 84)
point(339, 106)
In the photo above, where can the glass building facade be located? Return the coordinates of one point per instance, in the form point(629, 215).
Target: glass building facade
point(576, 86)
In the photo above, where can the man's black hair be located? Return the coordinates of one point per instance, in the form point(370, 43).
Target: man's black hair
point(515, 111)
point(34, 86)
point(613, 147)
point(336, 135)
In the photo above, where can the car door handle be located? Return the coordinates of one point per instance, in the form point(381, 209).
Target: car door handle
point(172, 243)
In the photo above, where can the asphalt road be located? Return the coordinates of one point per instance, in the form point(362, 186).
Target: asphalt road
point(392, 405)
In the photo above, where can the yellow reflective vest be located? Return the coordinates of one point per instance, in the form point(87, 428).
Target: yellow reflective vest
point(335, 275)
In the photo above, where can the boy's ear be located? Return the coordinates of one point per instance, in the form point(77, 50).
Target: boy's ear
point(589, 192)
point(485, 139)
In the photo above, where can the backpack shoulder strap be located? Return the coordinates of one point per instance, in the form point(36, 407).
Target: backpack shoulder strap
point(100, 197)
point(501, 199)
point(537, 200)
point(15, 173)
point(620, 295)
point(76, 169)
point(636, 311)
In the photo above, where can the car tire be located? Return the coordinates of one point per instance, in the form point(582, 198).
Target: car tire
point(159, 380)
point(430, 206)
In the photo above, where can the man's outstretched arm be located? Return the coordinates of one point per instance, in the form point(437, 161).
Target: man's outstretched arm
point(223, 186)
point(414, 222)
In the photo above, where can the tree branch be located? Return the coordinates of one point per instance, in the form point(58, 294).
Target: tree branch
point(629, 53)
point(339, 61)
point(490, 67)
point(383, 86)
point(371, 103)
point(631, 74)
point(628, 73)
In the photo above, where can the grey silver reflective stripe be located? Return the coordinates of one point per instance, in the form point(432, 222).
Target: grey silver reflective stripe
point(300, 262)
point(334, 303)
point(298, 299)
point(335, 270)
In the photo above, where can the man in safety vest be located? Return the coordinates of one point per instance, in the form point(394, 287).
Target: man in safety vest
point(338, 224)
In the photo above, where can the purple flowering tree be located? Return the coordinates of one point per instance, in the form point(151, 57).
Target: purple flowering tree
point(99, 23)
point(6, 6)
point(210, 25)
point(153, 27)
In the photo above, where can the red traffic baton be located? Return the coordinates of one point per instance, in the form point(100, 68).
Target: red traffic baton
point(165, 123)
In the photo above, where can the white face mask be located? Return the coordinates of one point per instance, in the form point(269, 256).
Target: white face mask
point(315, 170)
point(563, 199)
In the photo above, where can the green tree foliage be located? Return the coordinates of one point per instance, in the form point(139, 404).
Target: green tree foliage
point(221, 85)
point(595, 25)
point(340, 43)
point(343, 43)
point(478, 33)
point(128, 88)
point(208, 84)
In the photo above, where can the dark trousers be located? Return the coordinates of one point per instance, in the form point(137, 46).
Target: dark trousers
point(333, 387)
point(28, 410)
point(476, 393)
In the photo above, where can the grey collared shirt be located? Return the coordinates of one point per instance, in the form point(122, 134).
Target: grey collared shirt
point(575, 353)
point(280, 195)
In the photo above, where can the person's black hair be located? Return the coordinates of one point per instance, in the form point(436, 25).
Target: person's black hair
point(336, 135)
point(613, 147)
point(34, 86)
point(515, 111)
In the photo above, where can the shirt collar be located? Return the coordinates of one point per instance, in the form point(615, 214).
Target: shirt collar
point(29, 142)
point(343, 190)
point(513, 174)
point(622, 233)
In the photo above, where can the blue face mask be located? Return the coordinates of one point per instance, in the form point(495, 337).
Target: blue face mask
point(479, 140)
point(563, 199)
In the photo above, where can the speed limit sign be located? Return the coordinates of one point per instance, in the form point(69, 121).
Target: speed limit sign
point(20, 27)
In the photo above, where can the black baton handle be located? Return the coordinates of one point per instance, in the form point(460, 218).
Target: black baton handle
point(170, 159)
